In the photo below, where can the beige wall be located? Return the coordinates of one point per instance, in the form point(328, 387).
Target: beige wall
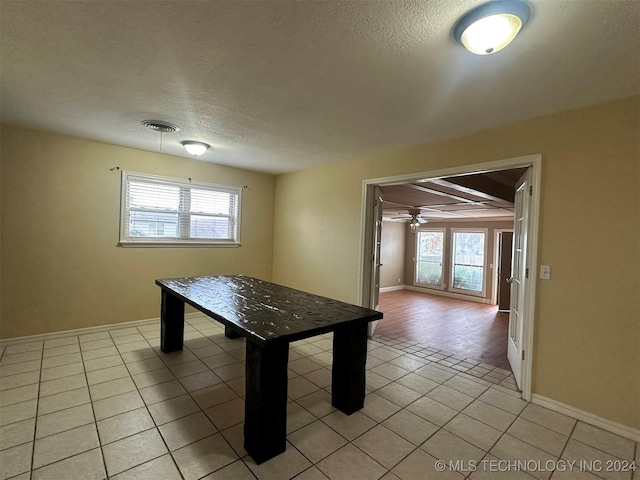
point(587, 316)
point(392, 254)
point(491, 227)
point(61, 266)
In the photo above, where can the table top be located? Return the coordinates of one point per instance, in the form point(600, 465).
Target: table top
point(263, 311)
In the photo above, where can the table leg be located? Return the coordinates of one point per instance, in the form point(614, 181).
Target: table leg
point(348, 372)
point(265, 417)
point(230, 333)
point(171, 323)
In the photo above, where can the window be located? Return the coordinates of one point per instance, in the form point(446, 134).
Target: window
point(168, 211)
point(468, 260)
point(430, 250)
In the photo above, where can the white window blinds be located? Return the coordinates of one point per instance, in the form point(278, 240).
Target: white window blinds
point(164, 211)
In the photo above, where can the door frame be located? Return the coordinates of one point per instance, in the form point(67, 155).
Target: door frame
point(376, 241)
point(368, 223)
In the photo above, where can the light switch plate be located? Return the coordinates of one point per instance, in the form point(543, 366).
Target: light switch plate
point(545, 272)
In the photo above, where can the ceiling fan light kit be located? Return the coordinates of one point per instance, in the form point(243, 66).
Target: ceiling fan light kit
point(492, 26)
point(416, 220)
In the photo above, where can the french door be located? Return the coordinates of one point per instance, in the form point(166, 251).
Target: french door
point(519, 275)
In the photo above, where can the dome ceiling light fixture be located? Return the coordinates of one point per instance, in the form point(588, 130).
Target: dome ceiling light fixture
point(492, 26)
point(195, 148)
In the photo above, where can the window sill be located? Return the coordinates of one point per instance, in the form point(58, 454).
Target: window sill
point(471, 293)
point(429, 286)
point(174, 244)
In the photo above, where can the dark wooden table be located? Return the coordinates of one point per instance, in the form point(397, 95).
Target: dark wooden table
point(271, 316)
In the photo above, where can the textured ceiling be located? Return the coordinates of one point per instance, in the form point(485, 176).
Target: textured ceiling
point(279, 86)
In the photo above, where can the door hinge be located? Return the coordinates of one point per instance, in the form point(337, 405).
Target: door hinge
point(530, 190)
point(522, 354)
point(526, 272)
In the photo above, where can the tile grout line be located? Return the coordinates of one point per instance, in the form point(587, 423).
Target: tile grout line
point(564, 448)
point(419, 447)
point(351, 442)
point(634, 474)
point(35, 423)
point(458, 413)
point(569, 438)
point(218, 431)
point(287, 441)
point(93, 411)
point(240, 458)
point(63, 409)
point(447, 355)
point(146, 407)
point(112, 416)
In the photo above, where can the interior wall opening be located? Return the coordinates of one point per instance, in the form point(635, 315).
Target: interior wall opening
point(445, 268)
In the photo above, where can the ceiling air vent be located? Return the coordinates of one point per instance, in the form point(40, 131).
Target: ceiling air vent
point(161, 126)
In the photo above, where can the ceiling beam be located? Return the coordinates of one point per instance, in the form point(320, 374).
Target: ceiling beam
point(479, 186)
point(432, 191)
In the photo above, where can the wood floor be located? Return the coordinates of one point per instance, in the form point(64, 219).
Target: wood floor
point(460, 327)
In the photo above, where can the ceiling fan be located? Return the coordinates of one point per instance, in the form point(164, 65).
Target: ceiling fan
point(416, 219)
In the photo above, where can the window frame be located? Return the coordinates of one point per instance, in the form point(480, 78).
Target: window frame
point(442, 284)
point(129, 241)
point(485, 232)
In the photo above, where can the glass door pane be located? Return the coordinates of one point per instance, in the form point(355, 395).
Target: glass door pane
point(430, 249)
point(468, 261)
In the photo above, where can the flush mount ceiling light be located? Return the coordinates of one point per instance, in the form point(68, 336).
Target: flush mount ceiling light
point(195, 148)
point(492, 26)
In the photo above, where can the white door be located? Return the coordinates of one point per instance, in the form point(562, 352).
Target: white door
point(375, 257)
point(519, 275)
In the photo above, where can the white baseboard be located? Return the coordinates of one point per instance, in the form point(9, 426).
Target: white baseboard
point(86, 330)
point(586, 417)
point(433, 291)
point(443, 293)
point(392, 289)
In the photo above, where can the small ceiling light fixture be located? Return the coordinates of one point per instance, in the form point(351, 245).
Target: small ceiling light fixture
point(195, 148)
point(492, 26)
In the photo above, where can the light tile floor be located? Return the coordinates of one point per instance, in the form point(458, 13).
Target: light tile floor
point(112, 405)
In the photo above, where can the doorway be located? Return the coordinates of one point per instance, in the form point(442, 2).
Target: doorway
point(528, 292)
